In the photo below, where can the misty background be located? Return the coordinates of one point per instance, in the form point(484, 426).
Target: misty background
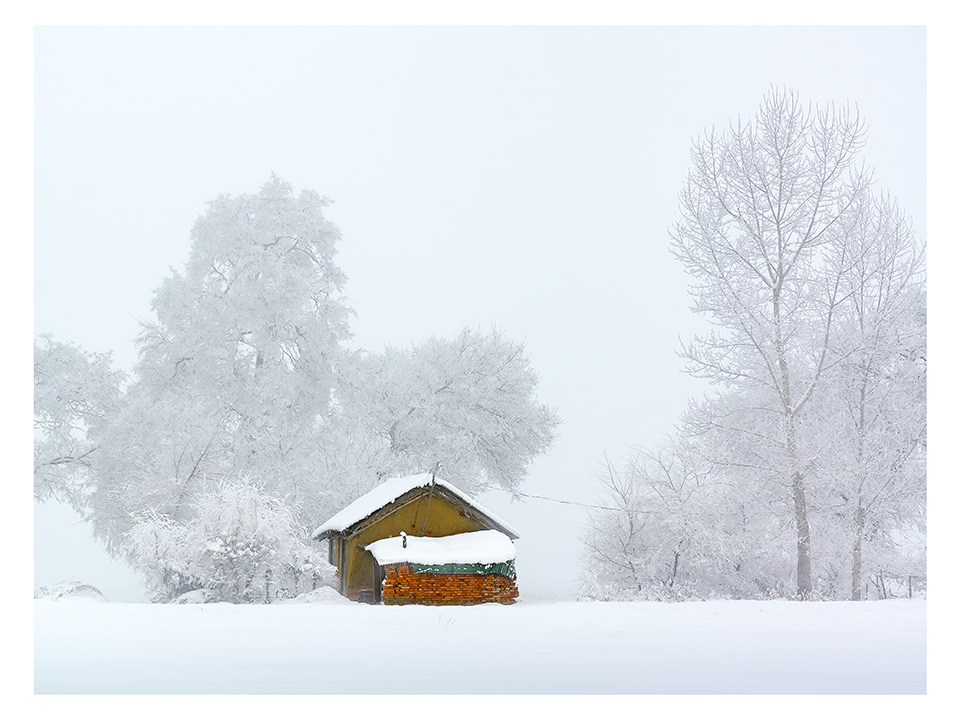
point(517, 177)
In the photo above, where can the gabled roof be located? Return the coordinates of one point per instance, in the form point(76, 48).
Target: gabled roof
point(482, 546)
point(392, 490)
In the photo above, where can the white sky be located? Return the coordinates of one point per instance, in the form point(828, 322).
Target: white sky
point(523, 177)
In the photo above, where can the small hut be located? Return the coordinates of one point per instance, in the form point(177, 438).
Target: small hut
point(419, 539)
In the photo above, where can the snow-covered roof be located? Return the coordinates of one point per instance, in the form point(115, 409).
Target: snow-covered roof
point(388, 491)
point(483, 546)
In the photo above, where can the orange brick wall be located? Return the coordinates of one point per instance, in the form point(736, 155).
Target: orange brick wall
point(401, 586)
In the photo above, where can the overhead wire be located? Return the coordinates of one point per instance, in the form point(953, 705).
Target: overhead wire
point(565, 502)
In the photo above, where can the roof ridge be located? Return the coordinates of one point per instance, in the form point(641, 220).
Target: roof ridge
point(390, 491)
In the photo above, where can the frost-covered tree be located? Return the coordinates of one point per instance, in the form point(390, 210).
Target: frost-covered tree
point(647, 544)
point(468, 403)
point(678, 524)
point(762, 238)
point(816, 429)
point(243, 373)
point(74, 394)
point(874, 405)
point(237, 369)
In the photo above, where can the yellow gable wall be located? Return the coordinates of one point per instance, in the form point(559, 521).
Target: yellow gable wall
point(442, 518)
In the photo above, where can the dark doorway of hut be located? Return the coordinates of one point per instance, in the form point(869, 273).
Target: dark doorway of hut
point(373, 595)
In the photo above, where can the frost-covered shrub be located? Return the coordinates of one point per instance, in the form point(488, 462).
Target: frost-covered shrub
point(194, 597)
point(321, 595)
point(241, 545)
point(71, 589)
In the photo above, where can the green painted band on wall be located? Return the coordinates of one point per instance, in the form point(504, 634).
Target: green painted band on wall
point(507, 569)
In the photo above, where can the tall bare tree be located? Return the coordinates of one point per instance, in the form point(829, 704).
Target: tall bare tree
point(761, 234)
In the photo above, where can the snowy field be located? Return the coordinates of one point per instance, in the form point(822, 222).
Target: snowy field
point(84, 646)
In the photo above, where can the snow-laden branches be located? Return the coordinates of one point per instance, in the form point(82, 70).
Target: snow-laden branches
point(815, 286)
point(74, 394)
point(468, 403)
point(243, 373)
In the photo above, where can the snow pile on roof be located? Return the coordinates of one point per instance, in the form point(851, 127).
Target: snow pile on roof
point(386, 493)
point(483, 546)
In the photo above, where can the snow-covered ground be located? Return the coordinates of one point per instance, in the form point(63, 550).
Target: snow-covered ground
point(84, 646)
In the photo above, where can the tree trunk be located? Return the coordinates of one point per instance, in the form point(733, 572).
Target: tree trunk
point(804, 584)
point(860, 517)
point(858, 551)
point(676, 565)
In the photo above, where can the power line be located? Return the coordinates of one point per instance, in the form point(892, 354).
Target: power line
point(566, 502)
